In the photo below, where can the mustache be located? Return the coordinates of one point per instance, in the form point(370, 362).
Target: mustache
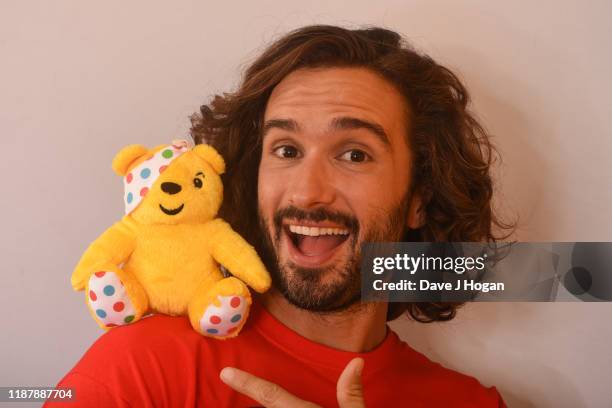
point(318, 215)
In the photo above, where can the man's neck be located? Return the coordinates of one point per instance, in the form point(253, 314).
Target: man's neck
point(359, 329)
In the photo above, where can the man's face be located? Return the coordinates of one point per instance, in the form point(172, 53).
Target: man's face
point(334, 173)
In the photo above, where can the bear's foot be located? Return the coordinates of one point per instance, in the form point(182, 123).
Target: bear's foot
point(222, 310)
point(114, 299)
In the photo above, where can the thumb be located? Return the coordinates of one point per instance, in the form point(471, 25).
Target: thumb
point(349, 390)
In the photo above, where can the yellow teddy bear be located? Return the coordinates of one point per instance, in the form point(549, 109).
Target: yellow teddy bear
point(163, 255)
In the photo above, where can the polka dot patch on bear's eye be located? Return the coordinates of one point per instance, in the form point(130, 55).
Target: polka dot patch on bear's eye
point(118, 306)
point(99, 274)
point(92, 296)
point(215, 319)
point(101, 313)
point(142, 177)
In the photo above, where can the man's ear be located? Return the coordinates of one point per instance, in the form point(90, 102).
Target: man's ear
point(416, 211)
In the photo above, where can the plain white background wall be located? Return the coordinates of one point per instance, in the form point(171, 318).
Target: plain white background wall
point(80, 79)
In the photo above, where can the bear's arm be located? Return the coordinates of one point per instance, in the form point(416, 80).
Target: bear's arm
point(233, 252)
point(114, 246)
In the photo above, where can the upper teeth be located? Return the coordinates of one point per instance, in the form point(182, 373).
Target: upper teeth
point(316, 231)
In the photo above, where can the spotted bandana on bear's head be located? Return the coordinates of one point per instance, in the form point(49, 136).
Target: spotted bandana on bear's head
point(140, 179)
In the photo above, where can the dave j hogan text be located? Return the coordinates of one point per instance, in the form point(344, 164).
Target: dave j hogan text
point(426, 285)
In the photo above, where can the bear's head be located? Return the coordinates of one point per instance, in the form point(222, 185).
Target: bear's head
point(171, 184)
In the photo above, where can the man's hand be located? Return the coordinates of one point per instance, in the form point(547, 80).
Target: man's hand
point(349, 391)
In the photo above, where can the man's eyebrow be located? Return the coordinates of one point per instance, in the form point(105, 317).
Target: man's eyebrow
point(347, 123)
point(284, 124)
point(340, 123)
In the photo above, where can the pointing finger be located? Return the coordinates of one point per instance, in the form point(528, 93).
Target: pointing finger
point(265, 392)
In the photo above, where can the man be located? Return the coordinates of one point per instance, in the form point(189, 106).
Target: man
point(335, 137)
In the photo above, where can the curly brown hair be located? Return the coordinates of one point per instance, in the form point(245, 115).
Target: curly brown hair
point(453, 153)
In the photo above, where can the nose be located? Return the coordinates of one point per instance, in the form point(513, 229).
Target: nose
point(170, 188)
point(312, 185)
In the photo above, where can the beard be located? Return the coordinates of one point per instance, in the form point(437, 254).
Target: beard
point(336, 287)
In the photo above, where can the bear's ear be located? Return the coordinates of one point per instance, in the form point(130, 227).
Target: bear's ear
point(211, 156)
point(127, 156)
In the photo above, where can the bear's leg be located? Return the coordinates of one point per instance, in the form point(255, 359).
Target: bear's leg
point(220, 310)
point(115, 297)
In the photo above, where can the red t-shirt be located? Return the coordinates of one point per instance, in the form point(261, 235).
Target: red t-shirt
point(161, 361)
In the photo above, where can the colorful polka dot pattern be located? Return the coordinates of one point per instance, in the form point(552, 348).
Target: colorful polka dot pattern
point(141, 178)
point(109, 300)
point(226, 319)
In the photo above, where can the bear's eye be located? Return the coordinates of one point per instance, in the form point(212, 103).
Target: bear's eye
point(197, 183)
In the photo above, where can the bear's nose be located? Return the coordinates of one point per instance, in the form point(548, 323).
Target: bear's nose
point(170, 188)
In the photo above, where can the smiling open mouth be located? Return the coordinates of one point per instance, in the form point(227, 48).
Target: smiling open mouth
point(173, 211)
point(312, 246)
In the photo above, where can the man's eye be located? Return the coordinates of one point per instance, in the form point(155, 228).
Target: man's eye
point(355, 156)
point(286, 152)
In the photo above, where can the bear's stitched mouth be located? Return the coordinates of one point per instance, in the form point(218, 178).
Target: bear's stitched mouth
point(173, 211)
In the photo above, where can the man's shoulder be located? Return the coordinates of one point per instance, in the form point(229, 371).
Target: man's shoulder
point(155, 331)
point(161, 340)
point(157, 338)
point(138, 362)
